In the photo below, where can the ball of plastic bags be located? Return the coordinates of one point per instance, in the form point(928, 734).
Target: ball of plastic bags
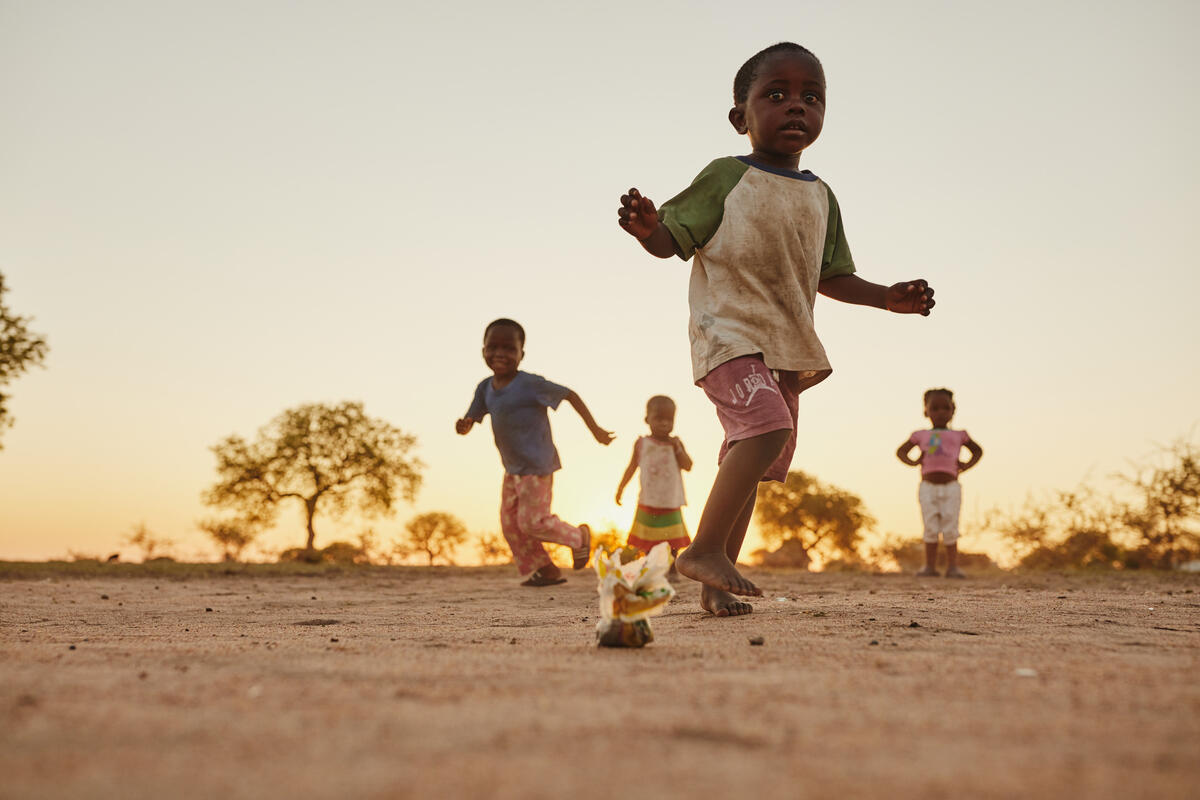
point(630, 594)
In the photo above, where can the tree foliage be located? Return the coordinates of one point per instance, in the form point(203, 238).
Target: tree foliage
point(20, 349)
point(1158, 525)
point(492, 548)
point(151, 544)
point(811, 518)
point(329, 458)
point(232, 535)
point(1166, 517)
point(435, 534)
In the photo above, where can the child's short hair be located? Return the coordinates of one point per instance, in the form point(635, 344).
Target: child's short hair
point(505, 322)
point(659, 399)
point(749, 71)
point(949, 395)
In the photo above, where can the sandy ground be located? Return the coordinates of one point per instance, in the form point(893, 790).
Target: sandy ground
point(457, 683)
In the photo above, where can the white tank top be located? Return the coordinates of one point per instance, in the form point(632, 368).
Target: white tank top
point(661, 478)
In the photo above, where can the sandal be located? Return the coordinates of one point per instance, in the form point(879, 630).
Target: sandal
point(538, 579)
point(581, 554)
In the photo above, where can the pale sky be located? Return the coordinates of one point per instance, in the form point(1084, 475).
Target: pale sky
point(219, 210)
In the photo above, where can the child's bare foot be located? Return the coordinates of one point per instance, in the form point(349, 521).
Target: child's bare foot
point(723, 604)
point(546, 576)
point(927, 572)
point(715, 570)
point(955, 572)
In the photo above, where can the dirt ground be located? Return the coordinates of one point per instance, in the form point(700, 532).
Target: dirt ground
point(449, 682)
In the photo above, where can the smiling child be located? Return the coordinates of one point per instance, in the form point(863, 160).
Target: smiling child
point(517, 402)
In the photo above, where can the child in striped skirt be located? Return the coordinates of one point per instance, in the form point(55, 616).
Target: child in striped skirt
point(661, 460)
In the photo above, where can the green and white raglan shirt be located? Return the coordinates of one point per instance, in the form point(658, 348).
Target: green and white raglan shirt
point(761, 239)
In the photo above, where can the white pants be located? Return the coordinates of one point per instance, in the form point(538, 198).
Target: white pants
point(940, 503)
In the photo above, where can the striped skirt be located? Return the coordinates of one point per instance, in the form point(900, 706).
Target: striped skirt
point(653, 525)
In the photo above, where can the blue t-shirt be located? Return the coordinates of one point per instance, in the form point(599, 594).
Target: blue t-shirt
point(520, 422)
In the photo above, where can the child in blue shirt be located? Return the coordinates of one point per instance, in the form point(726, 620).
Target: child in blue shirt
point(517, 402)
point(767, 238)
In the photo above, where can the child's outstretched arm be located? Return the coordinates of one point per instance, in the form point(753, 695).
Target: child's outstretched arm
point(638, 216)
point(902, 453)
point(632, 468)
point(602, 436)
point(681, 457)
point(906, 297)
point(976, 454)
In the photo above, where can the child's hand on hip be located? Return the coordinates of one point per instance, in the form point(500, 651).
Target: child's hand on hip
point(637, 215)
point(910, 297)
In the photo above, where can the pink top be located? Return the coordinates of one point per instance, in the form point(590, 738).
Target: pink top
point(940, 447)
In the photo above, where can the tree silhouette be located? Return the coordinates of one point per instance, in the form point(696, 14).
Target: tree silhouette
point(328, 458)
point(435, 534)
point(151, 544)
point(1158, 527)
point(1166, 519)
point(1077, 528)
point(493, 549)
point(813, 517)
point(19, 350)
point(231, 535)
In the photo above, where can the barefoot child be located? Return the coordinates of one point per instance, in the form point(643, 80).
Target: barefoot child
point(940, 493)
point(766, 239)
point(517, 402)
point(662, 461)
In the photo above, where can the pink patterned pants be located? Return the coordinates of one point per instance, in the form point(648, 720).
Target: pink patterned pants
point(526, 521)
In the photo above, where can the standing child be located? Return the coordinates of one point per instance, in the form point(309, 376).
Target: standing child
point(517, 402)
point(766, 239)
point(940, 493)
point(662, 461)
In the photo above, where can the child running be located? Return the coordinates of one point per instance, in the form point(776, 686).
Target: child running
point(766, 239)
point(661, 459)
point(517, 402)
point(940, 493)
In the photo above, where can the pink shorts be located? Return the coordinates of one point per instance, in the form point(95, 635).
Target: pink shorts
point(750, 402)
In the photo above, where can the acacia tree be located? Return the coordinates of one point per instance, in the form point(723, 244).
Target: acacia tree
point(151, 544)
point(435, 534)
point(328, 458)
point(815, 517)
point(20, 349)
point(492, 548)
point(232, 535)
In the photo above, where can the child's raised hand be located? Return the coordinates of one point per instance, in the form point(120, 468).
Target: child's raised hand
point(463, 425)
point(910, 297)
point(637, 215)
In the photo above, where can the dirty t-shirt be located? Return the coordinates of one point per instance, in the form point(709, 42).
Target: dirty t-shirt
point(761, 240)
point(520, 423)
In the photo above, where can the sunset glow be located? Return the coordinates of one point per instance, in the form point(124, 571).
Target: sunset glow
point(217, 211)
